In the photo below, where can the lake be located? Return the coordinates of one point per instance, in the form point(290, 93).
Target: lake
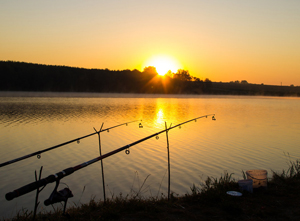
point(249, 133)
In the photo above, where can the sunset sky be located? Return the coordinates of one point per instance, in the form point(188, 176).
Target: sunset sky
point(228, 40)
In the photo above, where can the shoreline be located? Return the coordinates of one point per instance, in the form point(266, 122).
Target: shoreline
point(209, 201)
point(125, 95)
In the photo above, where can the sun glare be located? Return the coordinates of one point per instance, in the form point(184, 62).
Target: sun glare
point(163, 64)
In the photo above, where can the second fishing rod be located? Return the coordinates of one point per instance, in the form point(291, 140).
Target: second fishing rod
point(37, 153)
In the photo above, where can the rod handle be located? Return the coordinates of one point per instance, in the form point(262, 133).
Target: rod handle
point(37, 184)
point(29, 187)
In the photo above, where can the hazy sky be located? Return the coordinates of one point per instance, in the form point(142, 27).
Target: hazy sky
point(253, 40)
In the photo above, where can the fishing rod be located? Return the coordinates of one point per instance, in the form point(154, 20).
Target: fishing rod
point(56, 177)
point(59, 145)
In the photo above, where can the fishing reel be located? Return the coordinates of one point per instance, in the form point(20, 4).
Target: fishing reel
point(59, 196)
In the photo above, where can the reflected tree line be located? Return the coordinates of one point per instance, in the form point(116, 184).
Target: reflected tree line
point(20, 76)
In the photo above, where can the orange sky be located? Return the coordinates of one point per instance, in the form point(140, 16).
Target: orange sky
point(257, 41)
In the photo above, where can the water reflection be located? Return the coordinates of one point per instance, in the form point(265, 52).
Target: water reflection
point(15, 111)
point(159, 117)
point(249, 133)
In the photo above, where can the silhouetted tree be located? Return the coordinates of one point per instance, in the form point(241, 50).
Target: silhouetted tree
point(150, 70)
point(196, 79)
point(207, 80)
point(169, 74)
point(182, 75)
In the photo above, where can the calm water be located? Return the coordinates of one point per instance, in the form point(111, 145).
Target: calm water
point(249, 133)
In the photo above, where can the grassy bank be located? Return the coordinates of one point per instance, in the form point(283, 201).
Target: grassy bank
point(205, 201)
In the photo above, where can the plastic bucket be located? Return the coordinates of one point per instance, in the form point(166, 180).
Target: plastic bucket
point(259, 177)
point(246, 185)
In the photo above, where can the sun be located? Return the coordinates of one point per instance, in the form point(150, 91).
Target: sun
point(163, 64)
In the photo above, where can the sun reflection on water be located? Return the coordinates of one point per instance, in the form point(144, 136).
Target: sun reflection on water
point(160, 117)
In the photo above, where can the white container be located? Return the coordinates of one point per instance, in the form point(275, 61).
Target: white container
point(246, 185)
point(259, 177)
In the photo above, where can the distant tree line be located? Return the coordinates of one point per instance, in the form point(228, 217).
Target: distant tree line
point(245, 88)
point(20, 76)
